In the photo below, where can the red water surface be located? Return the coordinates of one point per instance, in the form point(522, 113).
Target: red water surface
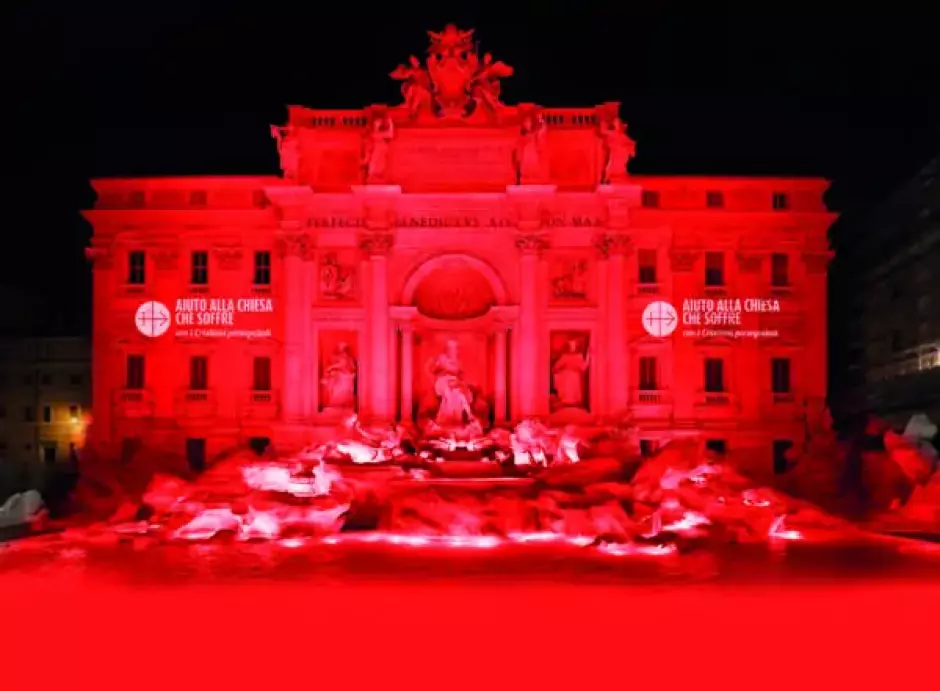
point(76, 629)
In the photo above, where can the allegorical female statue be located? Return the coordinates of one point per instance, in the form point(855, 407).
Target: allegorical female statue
point(568, 376)
point(339, 379)
point(456, 399)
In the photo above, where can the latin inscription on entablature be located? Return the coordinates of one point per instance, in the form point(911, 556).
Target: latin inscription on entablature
point(452, 159)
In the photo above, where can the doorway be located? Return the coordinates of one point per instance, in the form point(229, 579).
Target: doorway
point(259, 445)
point(196, 454)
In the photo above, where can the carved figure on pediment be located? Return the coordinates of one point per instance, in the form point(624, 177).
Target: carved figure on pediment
point(529, 156)
point(376, 243)
point(337, 281)
point(295, 244)
point(568, 375)
point(375, 148)
point(288, 149)
point(571, 283)
point(616, 146)
point(531, 242)
point(339, 379)
point(416, 87)
point(485, 86)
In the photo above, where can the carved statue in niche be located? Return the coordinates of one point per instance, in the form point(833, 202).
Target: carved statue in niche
point(339, 379)
point(617, 148)
point(528, 157)
point(568, 376)
point(571, 283)
point(337, 281)
point(380, 133)
point(455, 408)
point(288, 148)
point(416, 86)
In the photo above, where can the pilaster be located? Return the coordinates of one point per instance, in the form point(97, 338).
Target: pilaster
point(379, 206)
point(294, 246)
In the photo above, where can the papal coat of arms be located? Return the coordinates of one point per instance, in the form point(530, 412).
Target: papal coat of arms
point(456, 82)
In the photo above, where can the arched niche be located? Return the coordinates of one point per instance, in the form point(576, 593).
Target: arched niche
point(454, 287)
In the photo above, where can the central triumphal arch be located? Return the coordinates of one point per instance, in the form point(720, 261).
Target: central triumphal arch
point(466, 252)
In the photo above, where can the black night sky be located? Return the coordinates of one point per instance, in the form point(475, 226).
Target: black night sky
point(189, 88)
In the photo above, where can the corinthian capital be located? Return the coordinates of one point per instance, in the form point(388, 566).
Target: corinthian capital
point(612, 244)
point(293, 244)
point(531, 243)
point(376, 243)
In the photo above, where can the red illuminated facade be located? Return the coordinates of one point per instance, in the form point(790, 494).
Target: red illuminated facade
point(511, 239)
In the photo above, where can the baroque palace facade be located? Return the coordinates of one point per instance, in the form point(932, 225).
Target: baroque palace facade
point(454, 258)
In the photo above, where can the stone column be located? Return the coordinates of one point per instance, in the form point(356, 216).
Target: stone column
point(530, 203)
point(293, 248)
point(530, 247)
point(376, 245)
point(750, 377)
point(162, 355)
point(407, 375)
point(310, 355)
point(615, 246)
point(107, 375)
point(499, 388)
point(815, 303)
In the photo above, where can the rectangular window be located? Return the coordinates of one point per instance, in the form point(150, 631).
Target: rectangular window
point(46, 413)
point(75, 380)
point(781, 462)
point(134, 378)
point(714, 375)
point(647, 265)
point(648, 374)
point(27, 414)
point(262, 275)
point(73, 413)
point(49, 453)
point(46, 380)
point(198, 373)
point(136, 267)
point(261, 375)
point(650, 199)
point(780, 375)
point(199, 275)
point(780, 201)
point(779, 270)
point(714, 199)
point(714, 269)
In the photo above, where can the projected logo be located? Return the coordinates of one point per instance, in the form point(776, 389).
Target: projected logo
point(660, 319)
point(153, 319)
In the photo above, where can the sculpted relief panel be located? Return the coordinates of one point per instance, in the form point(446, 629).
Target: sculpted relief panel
point(337, 277)
point(570, 278)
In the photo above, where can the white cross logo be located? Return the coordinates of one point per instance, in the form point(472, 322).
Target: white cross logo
point(660, 319)
point(152, 319)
